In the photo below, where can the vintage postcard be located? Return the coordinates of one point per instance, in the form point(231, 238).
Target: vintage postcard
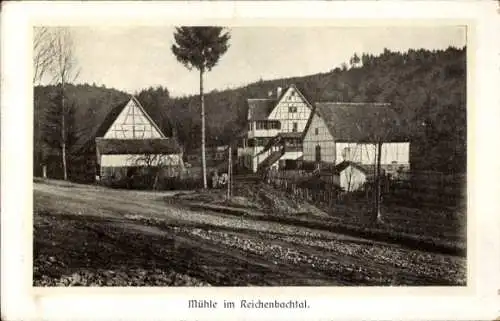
point(206, 161)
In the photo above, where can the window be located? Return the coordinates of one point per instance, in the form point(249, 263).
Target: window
point(346, 153)
point(273, 125)
point(295, 127)
point(292, 109)
point(316, 131)
point(318, 153)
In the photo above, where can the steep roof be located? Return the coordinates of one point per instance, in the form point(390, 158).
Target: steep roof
point(367, 169)
point(110, 118)
point(113, 114)
point(260, 108)
point(137, 146)
point(360, 122)
point(100, 128)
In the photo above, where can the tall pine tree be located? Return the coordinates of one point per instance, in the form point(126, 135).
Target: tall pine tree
point(200, 48)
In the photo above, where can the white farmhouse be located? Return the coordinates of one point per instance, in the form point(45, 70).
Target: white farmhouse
point(283, 116)
point(347, 133)
point(129, 139)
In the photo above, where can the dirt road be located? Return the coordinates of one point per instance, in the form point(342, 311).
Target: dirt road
point(101, 236)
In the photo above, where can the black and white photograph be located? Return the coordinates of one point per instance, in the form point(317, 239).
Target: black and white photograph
point(249, 156)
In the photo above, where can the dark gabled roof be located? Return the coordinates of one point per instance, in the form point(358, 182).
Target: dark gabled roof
point(360, 122)
point(84, 145)
point(137, 146)
point(259, 109)
point(367, 169)
point(110, 118)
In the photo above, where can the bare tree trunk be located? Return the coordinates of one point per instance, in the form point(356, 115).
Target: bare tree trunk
point(377, 213)
point(63, 133)
point(229, 176)
point(38, 149)
point(203, 160)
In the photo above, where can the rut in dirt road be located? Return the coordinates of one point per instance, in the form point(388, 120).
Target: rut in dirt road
point(121, 231)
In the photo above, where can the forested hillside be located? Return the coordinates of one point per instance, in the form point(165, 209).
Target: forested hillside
point(428, 89)
point(87, 106)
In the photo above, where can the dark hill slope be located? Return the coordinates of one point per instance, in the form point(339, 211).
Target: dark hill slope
point(427, 88)
point(90, 105)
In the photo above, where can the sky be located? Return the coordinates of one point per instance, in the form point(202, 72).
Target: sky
point(134, 58)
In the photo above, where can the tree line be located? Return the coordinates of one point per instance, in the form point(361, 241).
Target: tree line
point(426, 87)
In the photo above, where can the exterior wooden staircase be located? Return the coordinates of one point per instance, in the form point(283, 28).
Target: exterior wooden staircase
point(270, 160)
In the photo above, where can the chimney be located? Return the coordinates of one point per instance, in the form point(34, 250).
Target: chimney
point(278, 92)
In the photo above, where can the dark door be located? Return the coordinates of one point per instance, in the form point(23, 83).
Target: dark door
point(318, 153)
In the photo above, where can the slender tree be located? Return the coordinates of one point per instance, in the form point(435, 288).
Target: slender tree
point(64, 70)
point(200, 48)
point(388, 124)
point(43, 52)
point(43, 57)
point(51, 123)
point(378, 173)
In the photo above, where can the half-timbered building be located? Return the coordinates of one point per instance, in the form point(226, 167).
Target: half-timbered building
point(280, 119)
point(349, 132)
point(128, 141)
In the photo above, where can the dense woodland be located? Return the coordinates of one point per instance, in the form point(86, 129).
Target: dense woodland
point(427, 88)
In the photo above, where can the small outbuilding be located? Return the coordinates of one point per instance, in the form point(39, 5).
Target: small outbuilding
point(353, 176)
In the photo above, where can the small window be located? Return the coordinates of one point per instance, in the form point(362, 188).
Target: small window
point(346, 153)
point(292, 109)
point(262, 125)
point(316, 131)
point(295, 127)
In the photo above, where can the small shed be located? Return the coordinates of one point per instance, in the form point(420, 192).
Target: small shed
point(353, 176)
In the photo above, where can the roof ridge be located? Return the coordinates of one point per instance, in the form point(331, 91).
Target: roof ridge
point(352, 103)
point(142, 139)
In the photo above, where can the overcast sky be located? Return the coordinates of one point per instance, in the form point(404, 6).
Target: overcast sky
point(133, 58)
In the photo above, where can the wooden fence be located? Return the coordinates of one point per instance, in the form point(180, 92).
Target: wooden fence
point(414, 189)
point(311, 186)
point(431, 188)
